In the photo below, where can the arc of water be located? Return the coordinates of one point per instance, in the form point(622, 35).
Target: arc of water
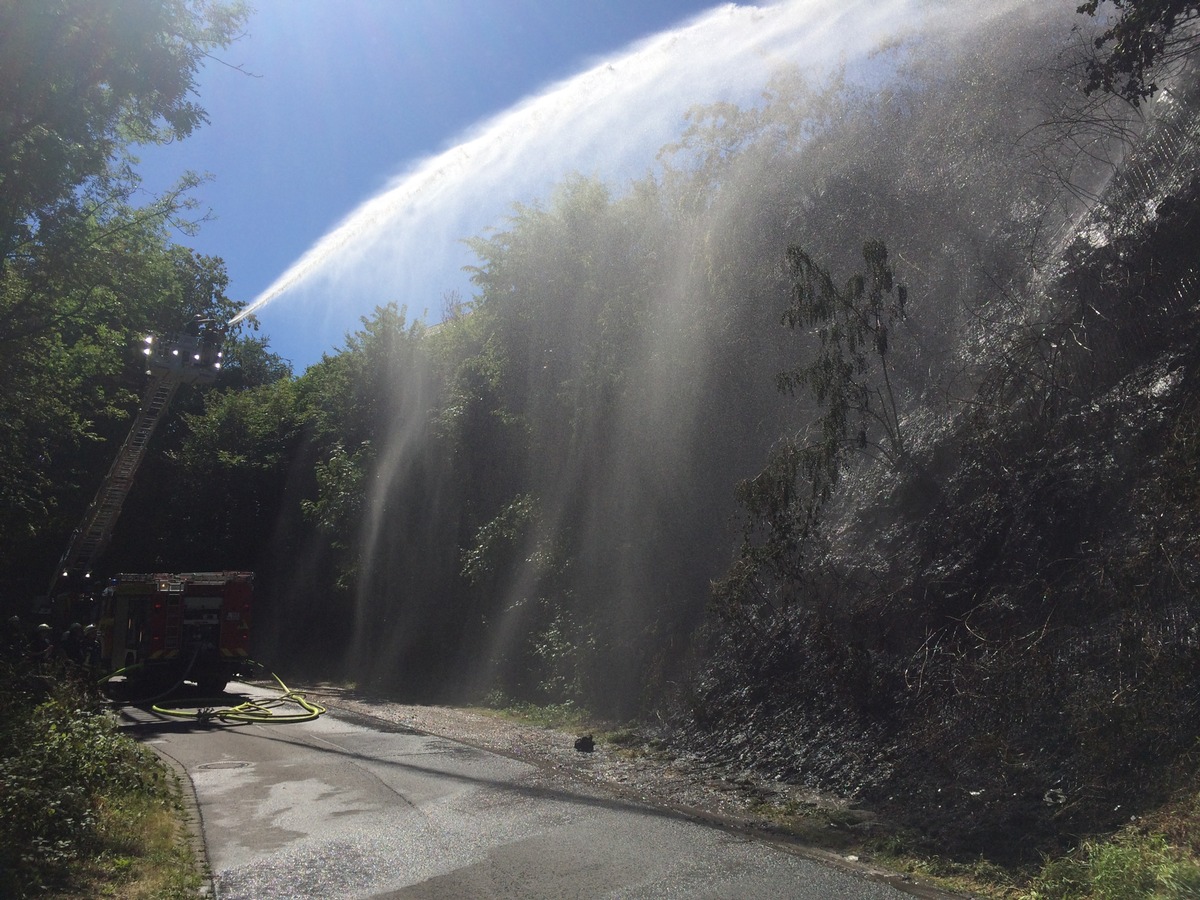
point(613, 115)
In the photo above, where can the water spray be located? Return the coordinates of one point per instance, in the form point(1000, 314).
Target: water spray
point(606, 121)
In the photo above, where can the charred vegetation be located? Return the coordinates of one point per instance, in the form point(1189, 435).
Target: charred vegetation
point(998, 643)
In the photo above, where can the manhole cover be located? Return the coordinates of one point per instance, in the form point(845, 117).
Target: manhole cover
point(224, 765)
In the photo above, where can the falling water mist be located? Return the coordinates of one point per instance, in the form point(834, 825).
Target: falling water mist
point(553, 481)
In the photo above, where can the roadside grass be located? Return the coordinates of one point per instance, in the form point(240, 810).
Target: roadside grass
point(143, 854)
point(563, 716)
point(1152, 858)
point(85, 811)
point(826, 825)
point(1155, 857)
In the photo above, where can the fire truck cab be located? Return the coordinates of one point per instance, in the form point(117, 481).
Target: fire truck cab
point(167, 628)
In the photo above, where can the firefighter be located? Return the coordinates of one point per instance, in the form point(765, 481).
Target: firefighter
point(16, 644)
point(42, 649)
point(89, 650)
point(72, 644)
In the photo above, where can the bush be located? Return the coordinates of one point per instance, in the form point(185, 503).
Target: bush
point(61, 760)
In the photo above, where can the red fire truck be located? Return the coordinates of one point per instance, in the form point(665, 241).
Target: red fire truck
point(165, 628)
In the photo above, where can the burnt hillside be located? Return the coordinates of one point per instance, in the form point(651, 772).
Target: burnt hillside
point(998, 642)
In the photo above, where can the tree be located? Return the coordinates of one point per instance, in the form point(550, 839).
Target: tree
point(1143, 35)
point(230, 474)
point(80, 82)
point(66, 392)
point(250, 363)
point(85, 270)
point(849, 376)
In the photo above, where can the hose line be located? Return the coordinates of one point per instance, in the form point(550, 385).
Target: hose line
point(163, 693)
point(261, 711)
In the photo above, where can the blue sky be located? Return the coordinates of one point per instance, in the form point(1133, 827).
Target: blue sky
point(342, 96)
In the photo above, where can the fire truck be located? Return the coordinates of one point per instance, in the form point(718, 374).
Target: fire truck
point(164, 628)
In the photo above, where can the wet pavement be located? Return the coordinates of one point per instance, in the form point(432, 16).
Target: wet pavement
point(351, 807)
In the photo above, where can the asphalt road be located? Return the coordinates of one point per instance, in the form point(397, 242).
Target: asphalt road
point(342, 807)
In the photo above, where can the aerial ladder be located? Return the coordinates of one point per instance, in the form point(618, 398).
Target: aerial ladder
point(193, 357)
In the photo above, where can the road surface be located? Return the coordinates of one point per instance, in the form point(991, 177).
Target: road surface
point(351, 807)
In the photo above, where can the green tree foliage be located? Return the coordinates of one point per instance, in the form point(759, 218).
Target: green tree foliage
point(68, 390)
point(84, 270)
point(231, 470)
point(348, 403)
point(1139, 37)
point(494, 540)
point(249, 363)
point(79, 83)
point(82, 84)
point(587, 373)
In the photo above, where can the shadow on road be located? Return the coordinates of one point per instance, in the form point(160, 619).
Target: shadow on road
point(138, 717)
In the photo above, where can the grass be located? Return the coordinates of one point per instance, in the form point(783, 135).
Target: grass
point(829, 826)
point(1131, 865)
point(1153, 858)
point(144, 855)
point(565, 716)
point(1125, 867)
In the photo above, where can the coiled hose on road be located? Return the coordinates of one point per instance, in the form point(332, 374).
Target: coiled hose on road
point(259, 711)
point(251, 711)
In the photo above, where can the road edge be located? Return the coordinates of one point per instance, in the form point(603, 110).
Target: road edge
point(193, 821)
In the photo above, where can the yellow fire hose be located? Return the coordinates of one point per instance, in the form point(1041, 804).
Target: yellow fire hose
point(260, 711)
